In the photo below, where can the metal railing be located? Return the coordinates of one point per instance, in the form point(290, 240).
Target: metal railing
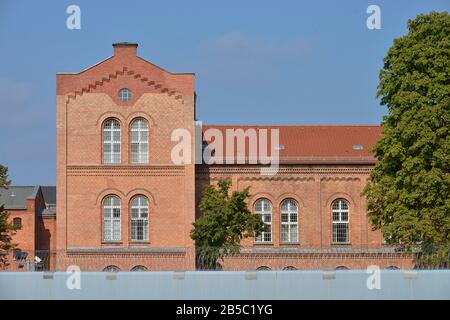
point(248, 258)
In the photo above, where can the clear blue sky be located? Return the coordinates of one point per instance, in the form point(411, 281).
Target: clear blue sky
point(256, 62)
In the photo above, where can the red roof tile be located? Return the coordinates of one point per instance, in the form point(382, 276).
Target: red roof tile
point(319, 143)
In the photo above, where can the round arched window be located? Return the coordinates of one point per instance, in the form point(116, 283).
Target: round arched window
point(263, 268)
point(125, 94)
point(139, 268)
point(111, 269)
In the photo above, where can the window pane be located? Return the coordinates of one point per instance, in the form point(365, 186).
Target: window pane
point(293, 217)
point(293, 233)
point(116, 135)
point(107, 212)
point(258, 205)
point(336, 205)
point(335, 216)
point(340, 232)
point(284, 233)
point(344, 216)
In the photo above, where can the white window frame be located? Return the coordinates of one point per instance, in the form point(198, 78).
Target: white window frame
point(125, 95)
point(340, 222)
point(292, 209)
point(111, 157)
point(139, 126)
point(114, 223)
point(139, 221)
point(266, 214)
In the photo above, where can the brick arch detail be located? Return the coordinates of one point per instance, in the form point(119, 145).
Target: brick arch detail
point(290, 195)
point(140, 191)
point(341, 195)
point(140, 114)
point(109, 115)
point(262, 195)
point(107, 192)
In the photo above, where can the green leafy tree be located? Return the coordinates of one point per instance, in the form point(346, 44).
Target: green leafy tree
point(225, 221)
point(7, 229)
point(408, 195)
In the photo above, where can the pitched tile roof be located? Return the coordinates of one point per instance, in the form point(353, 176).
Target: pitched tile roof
point(318, 143)
point(15, 197)
point(49, 193)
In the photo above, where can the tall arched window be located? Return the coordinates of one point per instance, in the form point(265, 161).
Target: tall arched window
point(139, 141)
point(263, 207)
point(111, 141)
point(139, 218)
point(111, 218)
point(340, 221)
point(289, 221)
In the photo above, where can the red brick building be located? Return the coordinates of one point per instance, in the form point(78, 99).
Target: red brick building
point(122, 202)
point(33, 209)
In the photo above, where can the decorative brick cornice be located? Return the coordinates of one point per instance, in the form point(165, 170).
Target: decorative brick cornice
point(126, 252)
point(340, 179)
point(144, 79)
point(204, 170)
point(274, 178)
point(105, 170)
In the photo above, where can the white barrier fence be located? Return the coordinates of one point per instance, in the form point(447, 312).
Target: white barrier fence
point(227, 285)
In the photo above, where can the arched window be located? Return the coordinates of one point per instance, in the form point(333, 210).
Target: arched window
point(111, 141)
point(17, 222)
point(340, 221)
point(125, 94)
point(139, 268)
point(139, 218)
point(263, 268)
point(342, 268)
point(289, 221)
point(111, 269)
point(263, 207)
point(392, 268)
point(111, 218)
point(139, 141)
point(290, 268)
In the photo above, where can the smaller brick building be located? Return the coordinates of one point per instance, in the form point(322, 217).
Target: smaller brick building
point(33, 208)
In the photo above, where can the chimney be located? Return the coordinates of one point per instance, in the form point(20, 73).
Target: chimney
point(125, 48)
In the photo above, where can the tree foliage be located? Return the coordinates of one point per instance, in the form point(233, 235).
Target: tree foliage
point(225, 221)
point(408, 195)
point(7, 229)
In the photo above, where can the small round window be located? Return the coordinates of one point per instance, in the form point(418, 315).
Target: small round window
point(125, 94)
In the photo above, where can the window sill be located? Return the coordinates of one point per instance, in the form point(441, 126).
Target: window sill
point(260, 243)
point(140, 242)
point(112, 242)
point(289, 243)
point(341, 244)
